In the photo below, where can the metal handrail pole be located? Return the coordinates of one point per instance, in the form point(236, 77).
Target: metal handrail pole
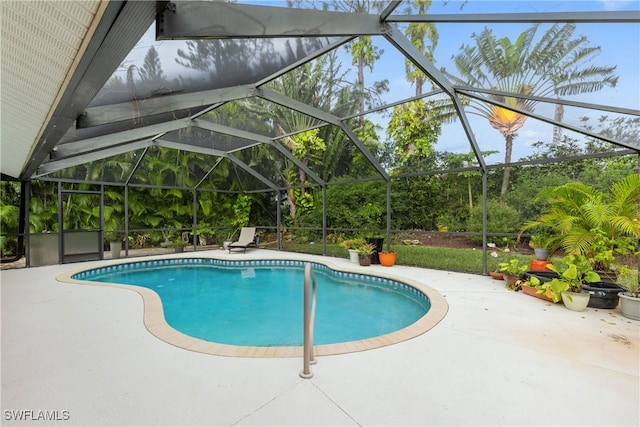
point(312, 319)
point(308, 321)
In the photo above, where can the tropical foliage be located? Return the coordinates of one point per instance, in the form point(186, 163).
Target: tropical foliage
point(592, 222)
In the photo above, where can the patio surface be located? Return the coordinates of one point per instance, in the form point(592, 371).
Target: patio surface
point(82, 354)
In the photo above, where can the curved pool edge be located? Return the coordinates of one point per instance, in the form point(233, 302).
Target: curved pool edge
point(155, 323)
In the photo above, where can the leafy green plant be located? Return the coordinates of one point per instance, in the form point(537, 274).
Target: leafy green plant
point(604, 250)
point(365, 249)
point(178, 243)
point(574, 271)
point(113, 236)
point(533, 282)
point(551, 289)
point(544, 239)
point(354, 243)
point(347, 244)
point(513, 267)
point(628, 279)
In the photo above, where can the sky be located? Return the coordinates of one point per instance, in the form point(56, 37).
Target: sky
point(620, 45)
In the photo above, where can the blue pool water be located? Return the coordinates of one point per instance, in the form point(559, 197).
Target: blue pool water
point(260, 303)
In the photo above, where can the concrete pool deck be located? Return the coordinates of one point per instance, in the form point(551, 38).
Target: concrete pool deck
point(83, 355)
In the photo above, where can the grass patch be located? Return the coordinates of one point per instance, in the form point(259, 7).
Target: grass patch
point(440, 258)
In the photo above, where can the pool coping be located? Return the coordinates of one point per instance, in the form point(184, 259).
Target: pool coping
point(155, 323)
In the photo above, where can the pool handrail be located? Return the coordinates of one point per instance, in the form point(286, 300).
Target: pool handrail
point(309, 321)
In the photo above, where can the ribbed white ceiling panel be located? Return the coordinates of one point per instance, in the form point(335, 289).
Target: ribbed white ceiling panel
point(40, 41)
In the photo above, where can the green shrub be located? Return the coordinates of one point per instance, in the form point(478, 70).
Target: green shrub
point(501, 218)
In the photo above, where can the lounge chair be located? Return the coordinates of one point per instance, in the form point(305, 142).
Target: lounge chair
point(247, 238)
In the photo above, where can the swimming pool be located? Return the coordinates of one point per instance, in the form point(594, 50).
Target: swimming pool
point(355, 311)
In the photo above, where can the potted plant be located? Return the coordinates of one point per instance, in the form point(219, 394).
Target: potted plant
point(178, 244)
point(573, 273)
point(603, 251)
point(512, 271)
point(365, 251)
point(592, 222)
point(535, 287)
point(351, 245)
point(542, 242)
point(115, 243)
point(630, 298)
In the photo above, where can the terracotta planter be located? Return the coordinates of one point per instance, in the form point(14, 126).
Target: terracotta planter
point(496, 275)
point(387, 259)
point(528, 290)
point(364, 260)
point(539, 265)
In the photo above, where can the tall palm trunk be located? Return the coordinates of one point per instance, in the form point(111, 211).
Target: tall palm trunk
point(508, 147)
point(557, 130)
point(360, 83)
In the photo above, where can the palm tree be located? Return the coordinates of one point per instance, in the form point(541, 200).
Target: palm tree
point(568, 75)
point(552, 66)
point(363, 52)
point(416, 32)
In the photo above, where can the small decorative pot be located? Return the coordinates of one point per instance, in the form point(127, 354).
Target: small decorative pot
point(353, 256)
point(387, 259)
point(576, 301)
point(541, 253)
point(364, 260)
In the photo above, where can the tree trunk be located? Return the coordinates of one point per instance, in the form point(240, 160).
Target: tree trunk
point(361, 88)
point(291, 200)
point(508, 147)
point(419, 85)
point(557, 130)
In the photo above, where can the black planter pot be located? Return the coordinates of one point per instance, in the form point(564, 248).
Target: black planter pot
point(603, 294)
point(377, 242)
point(543, 276)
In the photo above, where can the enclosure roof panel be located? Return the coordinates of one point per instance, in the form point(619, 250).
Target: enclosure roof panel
point(89, 81)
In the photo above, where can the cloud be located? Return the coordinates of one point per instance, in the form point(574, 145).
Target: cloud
point(615, 4)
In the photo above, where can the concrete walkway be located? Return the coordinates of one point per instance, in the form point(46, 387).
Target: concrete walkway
point(83, 355)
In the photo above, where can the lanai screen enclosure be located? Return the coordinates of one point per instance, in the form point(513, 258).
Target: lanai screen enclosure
point(262, 97)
